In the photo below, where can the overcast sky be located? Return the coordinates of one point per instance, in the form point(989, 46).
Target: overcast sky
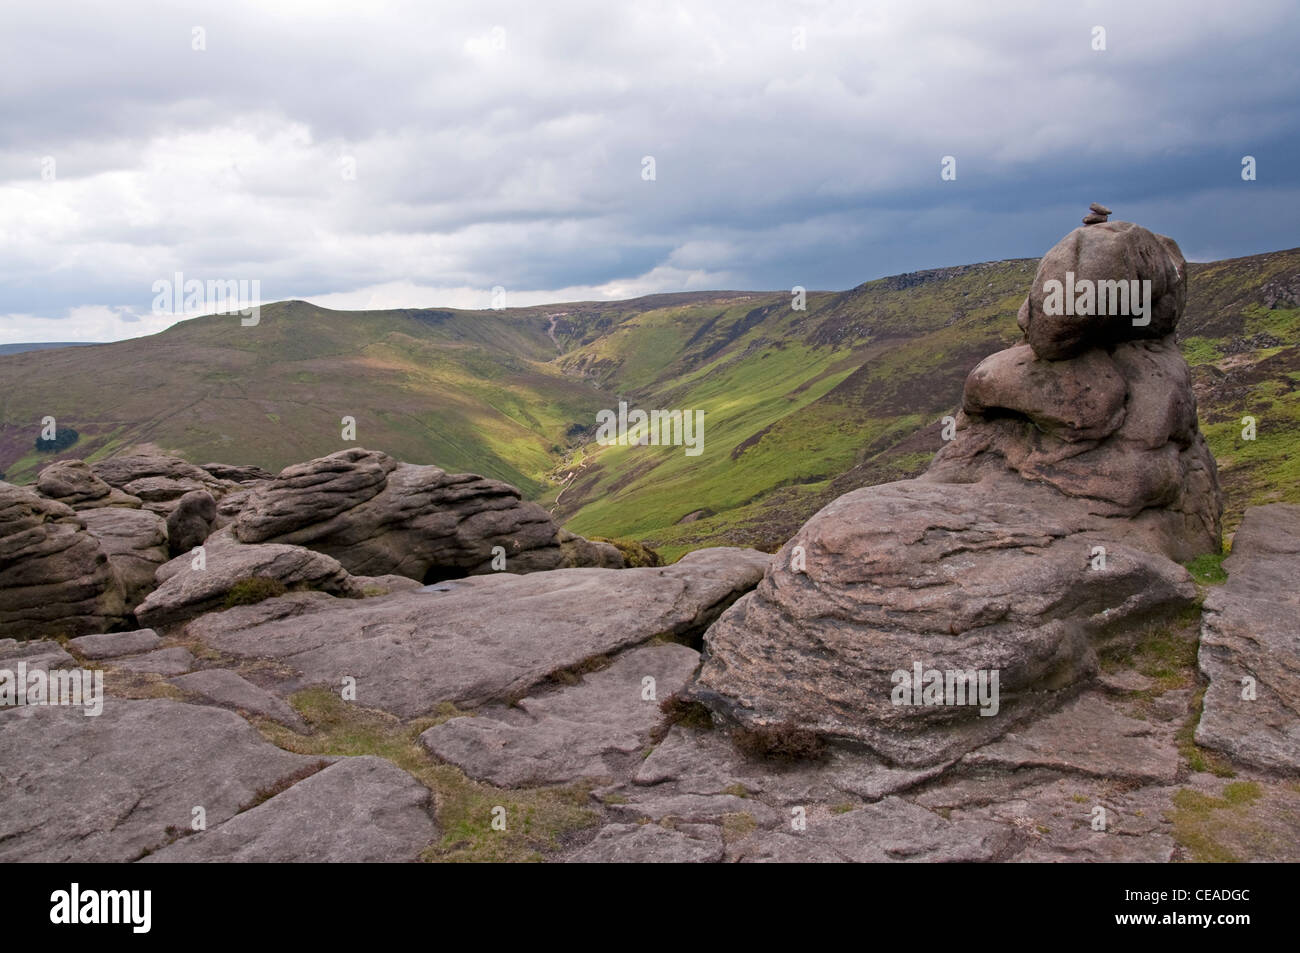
point(421, 154)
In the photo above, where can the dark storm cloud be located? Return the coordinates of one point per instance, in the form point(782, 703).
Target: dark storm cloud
point(502, 144)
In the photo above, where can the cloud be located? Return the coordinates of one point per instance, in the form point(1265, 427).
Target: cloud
point(419, 156)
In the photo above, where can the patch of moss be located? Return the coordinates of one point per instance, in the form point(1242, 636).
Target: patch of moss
point(1208, 569)
point(537, 819)
point(254, 589)
point(1196, 824)
point(736, 826)
point(1164, 652)
point(635, 553)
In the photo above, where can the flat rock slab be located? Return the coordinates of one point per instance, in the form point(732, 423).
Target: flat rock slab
point(227, 689)
point(42, 654)
point(107, 788)
point(1249, 632)
point(492, 638)
point(1089, 735)
point(890, 830)
point(357, 810)
point(695, 809)
point(171, 661)
point(114, 644)
point(576, 732)
point(650, 843)
point(707, 762)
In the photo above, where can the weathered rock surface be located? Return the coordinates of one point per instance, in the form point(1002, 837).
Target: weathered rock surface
point(950, 577)
point(1049, 527)
point(107, 788)
point(357, 810)
point(55, 577)
point(71, 482)
point(184, 592)
point(1249, 644)
point(707, 762)
point(115, 644)
point(891, 830)
point(377, 516)
point(223, 687)
point(1113, 251)
point(168, 661)
point(237, 474)
point(147, 461)
point(1091, 737)
point(579, 732)
point(42, 654)
point(135, 542)
point(1115, 430)
point(650, 843)
point(480, 639)
point(191, 522)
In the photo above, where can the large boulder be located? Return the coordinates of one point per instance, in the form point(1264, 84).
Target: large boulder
point(135, 542)
point(959, 578)
point(191, 522)
point(1048, 530)
point(186, 589)
point(377, 516)
point(73, 483)
point(55, 577)
point(158, 478)
point(1104, 252)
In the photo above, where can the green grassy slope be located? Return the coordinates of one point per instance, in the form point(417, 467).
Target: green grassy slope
point(800, 406)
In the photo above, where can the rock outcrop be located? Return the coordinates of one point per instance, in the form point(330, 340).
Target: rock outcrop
point(135, 542)
point(1048, 530)
point(1249, 650)
point(377, 516)
point(108, 788)
point(159, 479)
point(93, 539)
point(55, 577)
point(477, 640)
point(185, 590)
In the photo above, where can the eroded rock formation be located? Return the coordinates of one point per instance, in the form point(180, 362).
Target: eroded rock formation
point(1049, 529)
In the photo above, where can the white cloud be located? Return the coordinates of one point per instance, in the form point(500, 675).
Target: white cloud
point(500, 143)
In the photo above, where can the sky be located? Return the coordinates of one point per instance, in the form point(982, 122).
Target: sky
point(393, 154)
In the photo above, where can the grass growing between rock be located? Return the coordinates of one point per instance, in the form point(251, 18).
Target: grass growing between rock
point(254, 589)
point(1200, 821)
point(1197, 758)
point(1208, 569)
point(537, 820)
point(1164, 652)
